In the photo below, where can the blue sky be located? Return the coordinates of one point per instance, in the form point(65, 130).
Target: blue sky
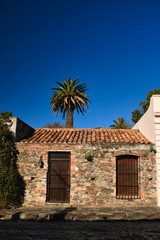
point(113, 46)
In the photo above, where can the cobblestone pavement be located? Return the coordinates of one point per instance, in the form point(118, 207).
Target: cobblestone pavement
point(110, 230)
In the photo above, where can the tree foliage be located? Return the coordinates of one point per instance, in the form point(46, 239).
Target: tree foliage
point(54, 125)
point(11, 183)
point(68, 97)
point(138, 113)
point(120, 124)
point(5, 115)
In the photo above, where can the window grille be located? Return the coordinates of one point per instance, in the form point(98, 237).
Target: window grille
point(127, 169)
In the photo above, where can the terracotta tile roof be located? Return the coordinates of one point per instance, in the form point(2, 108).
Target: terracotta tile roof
point(102, 135)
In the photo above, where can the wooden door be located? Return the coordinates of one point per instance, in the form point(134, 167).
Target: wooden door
point(58, 186)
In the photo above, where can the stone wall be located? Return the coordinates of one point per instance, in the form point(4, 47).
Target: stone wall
point(92, 183)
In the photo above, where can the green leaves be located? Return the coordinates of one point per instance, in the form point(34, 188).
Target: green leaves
point(11, 183)
point(138, 113)
point(69, 96)
point(5, 115)
point(54, 125)
point(120, 124)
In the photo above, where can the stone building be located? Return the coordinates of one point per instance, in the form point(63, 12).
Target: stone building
point(90, 167)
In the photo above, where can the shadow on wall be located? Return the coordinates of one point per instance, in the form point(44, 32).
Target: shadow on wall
point(18, 182)
point(20, 185)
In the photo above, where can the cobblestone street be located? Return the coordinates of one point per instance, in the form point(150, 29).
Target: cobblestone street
point(27, 230)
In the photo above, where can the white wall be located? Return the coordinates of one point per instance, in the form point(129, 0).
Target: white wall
point(149, 126)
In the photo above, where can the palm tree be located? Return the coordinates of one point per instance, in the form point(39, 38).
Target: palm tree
point(68, 97)
point(120, 124)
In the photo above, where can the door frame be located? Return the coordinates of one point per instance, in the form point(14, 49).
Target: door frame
point(48, 176)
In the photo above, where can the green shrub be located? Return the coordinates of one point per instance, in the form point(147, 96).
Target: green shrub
point(11, 183)
point(89, 157)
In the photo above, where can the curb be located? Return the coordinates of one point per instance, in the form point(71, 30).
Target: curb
point(80, 216)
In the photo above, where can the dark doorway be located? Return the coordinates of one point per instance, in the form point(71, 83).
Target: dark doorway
point(58, 186)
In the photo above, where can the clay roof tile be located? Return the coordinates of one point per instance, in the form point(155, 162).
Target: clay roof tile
point(105, 135)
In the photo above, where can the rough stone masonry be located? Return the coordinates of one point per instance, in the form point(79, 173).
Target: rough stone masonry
point(93, 183)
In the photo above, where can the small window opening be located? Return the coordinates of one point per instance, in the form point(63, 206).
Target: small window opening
point(127, 177)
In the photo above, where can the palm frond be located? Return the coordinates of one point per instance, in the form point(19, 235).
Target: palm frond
point(69, 95)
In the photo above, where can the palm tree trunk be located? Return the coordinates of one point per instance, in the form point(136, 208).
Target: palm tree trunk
point(69, 119)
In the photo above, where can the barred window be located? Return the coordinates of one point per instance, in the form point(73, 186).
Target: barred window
point(127, 177)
